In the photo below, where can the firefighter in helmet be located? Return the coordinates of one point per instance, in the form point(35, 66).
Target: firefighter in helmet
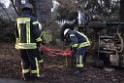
point(78, 42)
point(28, 40)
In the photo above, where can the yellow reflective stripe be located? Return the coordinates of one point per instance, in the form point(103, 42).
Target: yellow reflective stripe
point(38, 39)
point(80, 65)
point(25, 21)
point(74, 45)
point(41, 61)
point(37, 66)
point(28, 33)
point(80, 61)
point(71, 35)
point(35, 22)
point(25, 46)
point(84, 44)
point(87, 40)
point(33, 71)
point(17, 40)
point(21, 47)
point(25, 71)
point(18, 27)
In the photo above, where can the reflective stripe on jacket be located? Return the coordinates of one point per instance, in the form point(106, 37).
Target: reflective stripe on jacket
point(27, 32)
point(83, 44)
point(78, 39)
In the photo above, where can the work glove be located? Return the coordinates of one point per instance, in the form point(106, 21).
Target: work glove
point(39, 43)
point(43, 42)
point(38, 46)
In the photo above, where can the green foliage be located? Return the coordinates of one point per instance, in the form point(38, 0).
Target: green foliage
point(47, 37)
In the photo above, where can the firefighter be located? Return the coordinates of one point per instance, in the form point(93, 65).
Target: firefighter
point(79, 42)
point(27, 41)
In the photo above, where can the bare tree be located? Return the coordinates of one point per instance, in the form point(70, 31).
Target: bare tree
point(17, 11)
point(4, 13)
point(121, 10)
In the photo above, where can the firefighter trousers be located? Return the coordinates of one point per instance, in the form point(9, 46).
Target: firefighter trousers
point(40, 57)
point(79, 56)
point(30, 64)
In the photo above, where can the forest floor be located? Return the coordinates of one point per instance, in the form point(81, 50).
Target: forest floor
point(10, 69)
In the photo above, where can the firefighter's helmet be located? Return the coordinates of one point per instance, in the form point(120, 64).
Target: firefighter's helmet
point(65, 31)
point(27, 5)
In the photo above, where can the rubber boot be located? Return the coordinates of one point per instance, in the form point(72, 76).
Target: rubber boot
point(26, 76)
point(78, 71)
point(35, 77)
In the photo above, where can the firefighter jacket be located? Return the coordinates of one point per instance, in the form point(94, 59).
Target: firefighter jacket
point(27, 32)
point(77, 39)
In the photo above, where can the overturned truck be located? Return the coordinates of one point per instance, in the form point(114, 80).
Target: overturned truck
point(108, 43)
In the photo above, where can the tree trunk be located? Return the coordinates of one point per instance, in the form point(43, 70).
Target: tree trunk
point(121, 10)
point(13, 4)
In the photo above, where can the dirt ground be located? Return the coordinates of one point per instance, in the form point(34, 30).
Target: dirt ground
point(55, 69)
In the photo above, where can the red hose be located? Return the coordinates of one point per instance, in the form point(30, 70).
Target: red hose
point(54, 52)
